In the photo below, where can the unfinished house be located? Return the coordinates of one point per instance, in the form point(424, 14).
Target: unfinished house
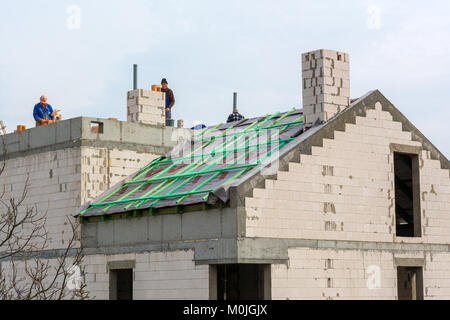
point(344, 199)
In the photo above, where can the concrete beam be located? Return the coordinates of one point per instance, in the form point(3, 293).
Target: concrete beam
point(266, 251)
point(77, 132)
point(211, 224)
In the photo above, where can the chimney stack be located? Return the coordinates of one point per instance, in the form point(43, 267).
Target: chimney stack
point(145, 106)
point(326, 85)
point(234, 101)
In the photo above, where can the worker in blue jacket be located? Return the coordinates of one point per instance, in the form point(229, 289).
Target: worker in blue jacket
point(42, 111)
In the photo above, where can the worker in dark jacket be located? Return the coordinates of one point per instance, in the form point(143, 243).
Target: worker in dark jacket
point(42, 111)
point(235, 116)
point(170, 98)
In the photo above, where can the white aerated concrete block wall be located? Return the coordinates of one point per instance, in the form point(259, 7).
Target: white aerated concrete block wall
point(61, 181)
point(354, 275)
point(146, 106)
point(102, 168)
point(123, 163)
point(437, 276)
point(345, 190)
point(22, 277)
point(326, 84)
point(54, 188)
point(334, 274)
point(156, 276)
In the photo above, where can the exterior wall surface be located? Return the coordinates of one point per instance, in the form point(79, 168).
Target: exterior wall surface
point(102, 168)
point(345, 190)
point(437, 276)
point(61, 178)
point(332, 274)
point(156, 275)
point(354, 274)
point(61, 181)
point(54, 180)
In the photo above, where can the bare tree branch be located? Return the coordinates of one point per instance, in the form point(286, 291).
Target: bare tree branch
point(24, 272)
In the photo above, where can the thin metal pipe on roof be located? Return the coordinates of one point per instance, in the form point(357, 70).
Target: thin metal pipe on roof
point(135, 67)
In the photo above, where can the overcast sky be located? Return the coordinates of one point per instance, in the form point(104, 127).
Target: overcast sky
point(209, 49)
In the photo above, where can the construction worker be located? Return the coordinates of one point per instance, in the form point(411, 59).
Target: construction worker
point(235, 116)
point(42, 111)
point(170, 98)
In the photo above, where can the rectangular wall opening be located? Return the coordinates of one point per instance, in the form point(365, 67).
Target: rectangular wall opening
point(410, 283)
point(407, 195)
point(243, 282)
point(121, 284)
point(96, 127)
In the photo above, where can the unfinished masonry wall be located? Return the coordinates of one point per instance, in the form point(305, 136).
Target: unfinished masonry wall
point(326, 84)
point(69, 163)
point(354, 274)
point(61, 181)
point(49, 287)
point(156, 275)
point(146, 106)
point(345, 189)
point(102, 168)
point(54, 180)
point(332, 274)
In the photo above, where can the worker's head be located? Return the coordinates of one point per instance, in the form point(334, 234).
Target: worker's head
point(43, 100)
point(164, 83)
point(235, 111)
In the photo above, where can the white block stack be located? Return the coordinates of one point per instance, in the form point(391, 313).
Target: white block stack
point(326, 84)
point(145, 106)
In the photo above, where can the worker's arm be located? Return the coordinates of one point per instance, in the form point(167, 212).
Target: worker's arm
point(50, 109)
point(171, 99)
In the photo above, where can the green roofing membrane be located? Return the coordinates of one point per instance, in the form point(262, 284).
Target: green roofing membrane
point(210, 159)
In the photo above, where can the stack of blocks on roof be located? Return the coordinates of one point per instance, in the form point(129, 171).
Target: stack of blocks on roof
point(145, 106)
point(326, 84)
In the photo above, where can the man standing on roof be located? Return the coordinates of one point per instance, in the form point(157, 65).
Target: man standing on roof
point(235, 116)
point(170, 98)
point(42, 111)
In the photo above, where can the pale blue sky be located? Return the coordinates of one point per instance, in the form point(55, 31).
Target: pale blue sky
point(208, 49)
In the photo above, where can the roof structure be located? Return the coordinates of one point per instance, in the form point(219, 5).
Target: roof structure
point(205, 168)
point(212, 158)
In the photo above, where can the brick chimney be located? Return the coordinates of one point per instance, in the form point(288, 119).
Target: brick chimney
point(145, 106)
point(326, 85)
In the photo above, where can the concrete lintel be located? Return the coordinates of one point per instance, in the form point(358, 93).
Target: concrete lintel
point(402, 148)
point(409, 262)
point(241, 261)
point(123, 264)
